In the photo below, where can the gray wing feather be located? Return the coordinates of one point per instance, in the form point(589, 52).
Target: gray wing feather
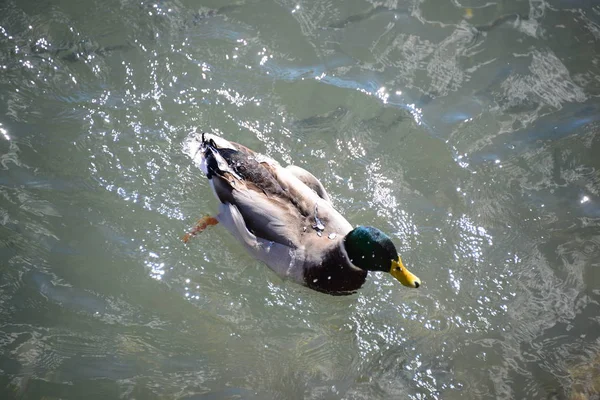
point(282, 259)
point(268, 218)
point(231, 219)
point(309, 180)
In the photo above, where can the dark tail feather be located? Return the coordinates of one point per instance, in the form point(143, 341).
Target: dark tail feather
point(208, 143)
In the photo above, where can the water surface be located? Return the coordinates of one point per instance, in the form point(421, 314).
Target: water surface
point(469, 132)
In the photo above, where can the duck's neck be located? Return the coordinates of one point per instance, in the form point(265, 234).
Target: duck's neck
point(335, 275)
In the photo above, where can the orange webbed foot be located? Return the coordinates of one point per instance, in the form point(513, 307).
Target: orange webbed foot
point(201, 225)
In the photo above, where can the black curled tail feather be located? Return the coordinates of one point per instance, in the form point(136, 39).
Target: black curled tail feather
point(205, 148)
point(211, 160)
point(208, 143)
point(222, 160)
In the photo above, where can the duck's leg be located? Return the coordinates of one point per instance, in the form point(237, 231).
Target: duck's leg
point(201, 225)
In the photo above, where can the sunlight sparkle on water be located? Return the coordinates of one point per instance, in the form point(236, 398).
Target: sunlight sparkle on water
point(473, 240)
point(416, 112)
point(454, 281)
point(4, 132)
point(383, 94)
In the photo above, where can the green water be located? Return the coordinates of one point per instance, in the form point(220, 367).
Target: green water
point(473, 142)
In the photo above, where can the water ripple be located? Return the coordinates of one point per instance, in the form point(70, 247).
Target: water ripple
point(465, 131)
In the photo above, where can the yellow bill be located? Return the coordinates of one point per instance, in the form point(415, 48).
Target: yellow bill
point(407, 278)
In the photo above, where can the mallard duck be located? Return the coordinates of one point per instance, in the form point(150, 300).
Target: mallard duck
point(285, 218)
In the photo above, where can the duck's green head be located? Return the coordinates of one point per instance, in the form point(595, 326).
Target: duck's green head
point(372, 250)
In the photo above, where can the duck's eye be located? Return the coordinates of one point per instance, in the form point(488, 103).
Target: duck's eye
point(398, 269)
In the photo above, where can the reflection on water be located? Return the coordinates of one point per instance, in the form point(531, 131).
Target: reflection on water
point(469, 132)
